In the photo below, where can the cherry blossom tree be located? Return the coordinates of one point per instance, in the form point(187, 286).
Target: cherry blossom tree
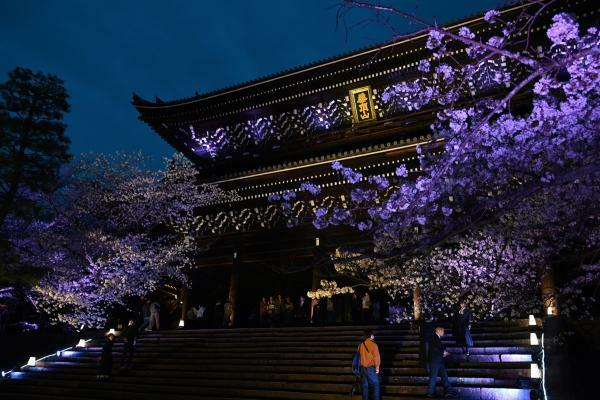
point(514, 190)
point(115, 229)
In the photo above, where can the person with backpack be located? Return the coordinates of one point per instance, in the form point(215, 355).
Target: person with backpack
point(366, 364)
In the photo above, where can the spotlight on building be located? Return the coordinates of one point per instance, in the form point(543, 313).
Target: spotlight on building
point(533, 339)
point(532, 320)
point(31, 362)
point(181, 323)
point(81, 343)
point(535, 371)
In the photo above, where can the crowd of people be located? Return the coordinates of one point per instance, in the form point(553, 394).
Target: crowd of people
point(343, 308)
point(279, 310)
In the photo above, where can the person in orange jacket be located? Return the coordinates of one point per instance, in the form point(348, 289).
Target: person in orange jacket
point(370, 362)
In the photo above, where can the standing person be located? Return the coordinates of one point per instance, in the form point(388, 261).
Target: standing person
point(347, 307)
point(145, 316)
point(376, 310)
point(218, 314)
point(227, 313)
point(270, 311)
point(155, 315)
point(436, 354)
point(130, 335)
point(330, 310)
point(262, 313)
point(314, 310)
point(278, 310)
point(370, 363)
point(288, 311)
point(338, 308)
point(105, 361)
point(426, 332)
point(302, 311)
point(365, 306)
point(356, 307)
point(461, 327)
point(3, 317)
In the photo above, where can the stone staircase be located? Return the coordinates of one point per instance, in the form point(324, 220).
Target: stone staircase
point(280, 363)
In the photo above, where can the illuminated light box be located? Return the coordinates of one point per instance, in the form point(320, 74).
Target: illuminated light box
point(533, 339)
point(532, 320)
point(535, 371)
point(181, 323)
point(31, 362)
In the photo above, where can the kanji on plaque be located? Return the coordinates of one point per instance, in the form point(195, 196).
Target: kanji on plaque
point(362, 104)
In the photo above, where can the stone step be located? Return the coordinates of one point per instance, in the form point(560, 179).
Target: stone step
point(203, 357)
point(318, 332)
point(157, 370)
point(283, 390)
point(151, 338)
point(166, 347)
point(250, 363)
point(265, 380)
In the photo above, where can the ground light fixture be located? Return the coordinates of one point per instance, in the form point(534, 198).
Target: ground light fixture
point(532, 320)
point(111, 331)
point(181, 323)
point(32, 361)
point(533, 339)
point(550, 311)
point(535, 371)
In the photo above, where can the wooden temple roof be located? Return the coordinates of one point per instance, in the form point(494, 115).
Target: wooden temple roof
point(269, 135)
point(298, 116)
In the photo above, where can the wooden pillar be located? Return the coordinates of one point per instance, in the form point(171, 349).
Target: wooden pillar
point(184, 295)
point(233, 287)
point(417, 303)
point(549, 295)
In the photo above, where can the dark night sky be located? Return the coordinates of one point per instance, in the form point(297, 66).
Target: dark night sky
point(104, 50)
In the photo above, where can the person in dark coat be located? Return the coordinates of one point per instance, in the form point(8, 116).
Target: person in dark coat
point(302, 310)
point(218, 314)
point(106, 359)
point(435, 360)
point(288, 311)
point(347, 307)
point(461, 327)
point(129, 335)
point(376, 310)
point(426, 332)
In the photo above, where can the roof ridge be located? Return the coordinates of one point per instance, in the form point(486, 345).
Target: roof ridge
point(139, 101)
